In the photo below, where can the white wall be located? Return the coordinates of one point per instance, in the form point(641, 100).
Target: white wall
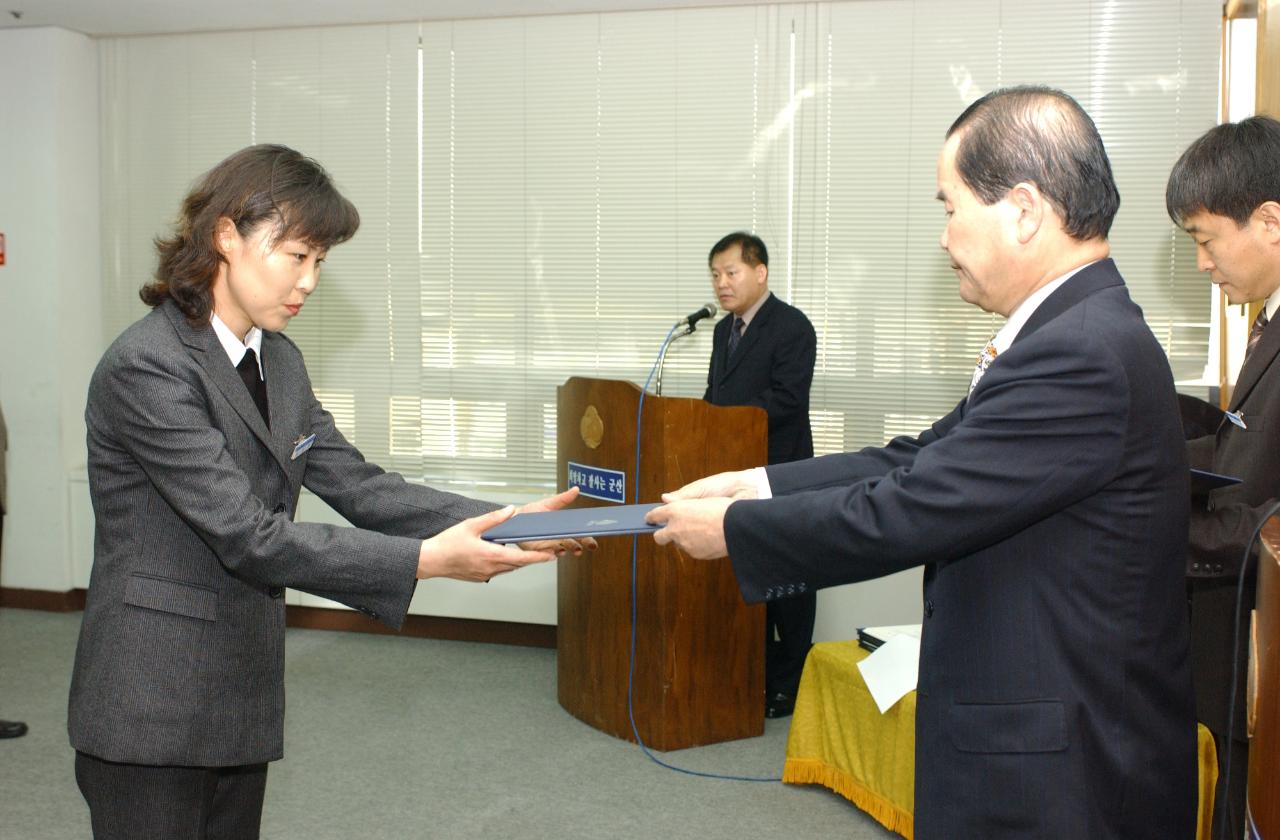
point(51, 337)
point(528, 596)
point(50, 325)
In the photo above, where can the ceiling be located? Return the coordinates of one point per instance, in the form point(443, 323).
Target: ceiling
point(148, 17)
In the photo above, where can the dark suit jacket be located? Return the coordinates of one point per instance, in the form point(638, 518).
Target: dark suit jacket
point(1049, 510)
point(1222, 526)
point(181, 652)
point(771, 369)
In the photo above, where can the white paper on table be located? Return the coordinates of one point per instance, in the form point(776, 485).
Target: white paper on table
point(891, 671)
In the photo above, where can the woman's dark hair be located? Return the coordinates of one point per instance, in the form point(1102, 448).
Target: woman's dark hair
point(258, 185)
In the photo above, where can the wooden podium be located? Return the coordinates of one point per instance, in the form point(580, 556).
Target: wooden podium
point(699, 651)
point(1263, 701)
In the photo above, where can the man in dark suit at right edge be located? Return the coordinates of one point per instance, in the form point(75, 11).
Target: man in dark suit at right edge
point(1225, 192)
point(763, 354)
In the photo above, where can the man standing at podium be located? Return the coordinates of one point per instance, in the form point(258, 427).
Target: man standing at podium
point(1049, 509)
point(763, 356)
point(1225, 192)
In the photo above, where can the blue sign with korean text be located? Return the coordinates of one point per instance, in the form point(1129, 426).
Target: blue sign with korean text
point(599, 483)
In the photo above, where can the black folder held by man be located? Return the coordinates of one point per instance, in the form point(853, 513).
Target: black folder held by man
point(1201, 418)
point(1202, 481)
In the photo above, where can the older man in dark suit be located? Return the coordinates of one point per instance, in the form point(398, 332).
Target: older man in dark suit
point(1225, 192)
point(763, 355)
point(1049, 510)
point(202, 430)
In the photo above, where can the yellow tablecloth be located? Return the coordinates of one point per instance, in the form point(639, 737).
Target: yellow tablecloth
point(840, 740)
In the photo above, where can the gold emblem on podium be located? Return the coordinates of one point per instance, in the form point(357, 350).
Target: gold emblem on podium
point(591, 427)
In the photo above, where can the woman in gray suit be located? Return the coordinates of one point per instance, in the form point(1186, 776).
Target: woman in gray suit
point(202, 429)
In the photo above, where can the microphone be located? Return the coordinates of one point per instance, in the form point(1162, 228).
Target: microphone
point(691, 321)
point(708, 310)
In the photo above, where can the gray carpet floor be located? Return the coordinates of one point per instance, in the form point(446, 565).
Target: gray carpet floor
point(390, 737)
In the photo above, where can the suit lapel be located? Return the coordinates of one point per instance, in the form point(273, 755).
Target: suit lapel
point(283, 402)
point(749, 338)
point(719, 356)
point(275, 389)
point(720, 350)
point(205, 348)
point(1264, 353)
point(1093, 278)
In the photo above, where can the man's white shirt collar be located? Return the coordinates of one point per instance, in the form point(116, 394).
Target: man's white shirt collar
point(1019, 317)
point(755, 307)
point(235, 347)
point(1002, 341)
point(1273, 303)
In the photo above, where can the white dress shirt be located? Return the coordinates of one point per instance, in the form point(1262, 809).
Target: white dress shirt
point(235, 347)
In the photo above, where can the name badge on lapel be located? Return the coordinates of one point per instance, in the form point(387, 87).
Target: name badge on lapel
point(302, 444)
point(1237, 418)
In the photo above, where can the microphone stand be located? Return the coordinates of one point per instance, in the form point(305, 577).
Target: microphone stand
point(662, 355)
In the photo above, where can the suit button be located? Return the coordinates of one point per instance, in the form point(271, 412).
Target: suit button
point(928, 609)
point(1195, 567)
point(1218, 568)
point(278, 508)
point(276, 592)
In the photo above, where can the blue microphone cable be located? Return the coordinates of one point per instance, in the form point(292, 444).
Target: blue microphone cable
point(631, 670)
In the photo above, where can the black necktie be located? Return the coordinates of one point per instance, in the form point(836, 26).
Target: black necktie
point(735, 334)
point(248, 370)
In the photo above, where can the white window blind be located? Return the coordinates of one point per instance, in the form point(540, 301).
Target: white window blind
point(538, 195)
point(896, 344)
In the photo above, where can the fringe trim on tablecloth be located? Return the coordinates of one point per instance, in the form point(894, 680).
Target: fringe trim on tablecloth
point(808, 771)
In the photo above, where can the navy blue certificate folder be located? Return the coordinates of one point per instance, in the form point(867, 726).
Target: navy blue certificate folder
point(1202, 481)
point(607, 521)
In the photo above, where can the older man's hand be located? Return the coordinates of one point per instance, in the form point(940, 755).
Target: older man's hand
point(730, 485)
point(696, 526)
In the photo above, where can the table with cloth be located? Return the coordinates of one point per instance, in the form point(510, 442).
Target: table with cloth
point(840, 740)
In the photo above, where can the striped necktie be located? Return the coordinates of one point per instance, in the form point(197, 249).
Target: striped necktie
point(735, 334)
point(1255, 333)
point(985, 358)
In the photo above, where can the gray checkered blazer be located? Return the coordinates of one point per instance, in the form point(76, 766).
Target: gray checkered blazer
point(181, 652)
